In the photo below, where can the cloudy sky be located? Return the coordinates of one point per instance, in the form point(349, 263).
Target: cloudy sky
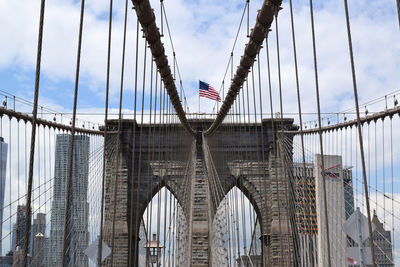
point(203, 33)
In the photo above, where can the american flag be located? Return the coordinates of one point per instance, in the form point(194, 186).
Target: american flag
point(206, 90)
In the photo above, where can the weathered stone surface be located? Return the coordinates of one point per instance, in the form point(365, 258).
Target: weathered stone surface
point(200, 243)
point(199, 175)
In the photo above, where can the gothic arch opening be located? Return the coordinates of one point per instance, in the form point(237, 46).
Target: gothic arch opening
point(163, 232)
point(236, 232)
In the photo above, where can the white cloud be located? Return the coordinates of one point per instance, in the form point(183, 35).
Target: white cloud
point(203, 33)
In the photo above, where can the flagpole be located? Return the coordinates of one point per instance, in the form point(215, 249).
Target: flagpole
point(199, 99)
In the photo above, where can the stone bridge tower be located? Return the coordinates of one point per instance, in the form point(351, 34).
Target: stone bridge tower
point(199, 171)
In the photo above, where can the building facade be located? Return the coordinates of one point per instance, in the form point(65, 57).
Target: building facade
point(78, 237)
point(7, 260)
point(38, 240)
point(306, 213)
point(348, 192)
point(310, 210)
point(20, 227)
point(382, 244)
point(13, 237)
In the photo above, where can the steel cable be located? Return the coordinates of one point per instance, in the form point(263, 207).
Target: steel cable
point(308, 209)
point(359, 132)
point(320, 138)
point(33, 134)
point(257, 36)
point(99, 252)
point(118, 156)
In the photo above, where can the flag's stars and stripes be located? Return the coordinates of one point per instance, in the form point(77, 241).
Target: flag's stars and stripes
point(206, 90)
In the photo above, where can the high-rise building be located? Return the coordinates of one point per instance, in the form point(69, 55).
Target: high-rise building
point(77, 227)
point(13, 237)
point(252, 260)
point(309, 207)
point(382, 244)
point(7, 260)
point(46, 249)
point(18, 258)
point(38, 239)
point(382, 240)
point(348, 192)
point(3, 169)
point(306, 214)
point(20, 227)
point(334, 196)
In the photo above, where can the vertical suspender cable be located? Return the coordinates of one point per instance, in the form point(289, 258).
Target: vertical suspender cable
point(369, 159)
point(248, 17)
point(10, 149)
point(305, 180)
point(320, 137)
point(277, 139)
point(169, 230)
point(162, 20)
point(280, 150)
point(262, 150)
point(260, 158)
point(44, 165)
point(273, 129)
point(383, 171)
point(165, 188)
point(160, 133)
point(118, 137)
point(398, 10)
point(360, 133)
point(240, 156)
point(149, 211)
point(33, 135)
point(392, 174)
point(105, 134)
point(153, 138)
point(139, 159)
point(18, 157)
point(39, 187)
point(134, 143)
point(174, 227)
point(247, 158)
point(227, 225)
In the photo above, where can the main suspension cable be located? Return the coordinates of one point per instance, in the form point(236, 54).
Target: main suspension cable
point(257, 36)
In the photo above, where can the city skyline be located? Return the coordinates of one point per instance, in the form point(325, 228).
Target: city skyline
point(109, 156)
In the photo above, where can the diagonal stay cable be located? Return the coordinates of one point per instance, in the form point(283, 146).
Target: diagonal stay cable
point(71, 144)
point(146, 18)
point(33, 135)
point(233, 49)
point(183, 95)
point(325, 205)
point(360, 136)
point(257, 36)
point(307, 216)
